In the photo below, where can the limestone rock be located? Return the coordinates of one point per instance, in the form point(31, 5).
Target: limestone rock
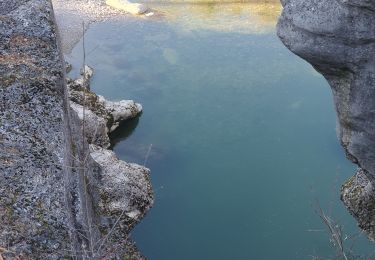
point(96, 130)
point(87, 72)
point(120, 110)
point(124, 5)
point(112, 112)
point(121, 193)
point(338, 39)
point(124, 187)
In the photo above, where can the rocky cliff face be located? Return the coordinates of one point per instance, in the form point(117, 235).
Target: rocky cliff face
point(338, 38)
point(62, 193)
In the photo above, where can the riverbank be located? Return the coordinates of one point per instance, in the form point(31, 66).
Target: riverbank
point(70, 16)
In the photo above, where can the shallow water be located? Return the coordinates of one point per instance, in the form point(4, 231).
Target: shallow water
point(239, 133)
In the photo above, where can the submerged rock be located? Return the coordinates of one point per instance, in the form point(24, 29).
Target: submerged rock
point(124, 5)
point(170, 56)
point(338, 39)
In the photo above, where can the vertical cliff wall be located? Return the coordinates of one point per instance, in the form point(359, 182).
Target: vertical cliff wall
point(62, 194)
point(32, 140)
point(338, 38)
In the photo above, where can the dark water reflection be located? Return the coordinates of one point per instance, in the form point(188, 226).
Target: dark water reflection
point(123, 131)
point(239, 133)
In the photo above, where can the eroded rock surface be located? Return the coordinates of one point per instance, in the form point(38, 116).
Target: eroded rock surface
point(100, 116)
point(338, 39)
point(59, 198)
point(358, 195)
point(131, 200)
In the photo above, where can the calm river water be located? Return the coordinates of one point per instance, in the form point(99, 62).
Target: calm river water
point(239, 132)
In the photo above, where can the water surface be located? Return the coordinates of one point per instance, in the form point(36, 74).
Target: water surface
point(239, 133)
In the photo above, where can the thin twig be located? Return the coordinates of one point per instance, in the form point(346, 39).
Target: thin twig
point(335, 231)
point(147, 155)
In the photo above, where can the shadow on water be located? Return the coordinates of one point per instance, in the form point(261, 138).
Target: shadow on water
point(123, 131)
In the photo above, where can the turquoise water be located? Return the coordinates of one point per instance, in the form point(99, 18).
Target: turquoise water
point(238, 132)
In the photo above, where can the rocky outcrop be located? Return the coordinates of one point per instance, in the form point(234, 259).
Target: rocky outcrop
point(62, 193)
point(338, 39)
point(99, 115)
point(119, 193)
point(358, 195)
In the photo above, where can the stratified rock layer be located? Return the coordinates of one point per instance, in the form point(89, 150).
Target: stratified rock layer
point(338, 39)
point(59, 198)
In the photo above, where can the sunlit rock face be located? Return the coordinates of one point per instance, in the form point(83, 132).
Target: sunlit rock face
point(132, 8)
point(338, 39)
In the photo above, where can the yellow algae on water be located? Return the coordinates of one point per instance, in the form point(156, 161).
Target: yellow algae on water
point(170, 56)
point(248, 16)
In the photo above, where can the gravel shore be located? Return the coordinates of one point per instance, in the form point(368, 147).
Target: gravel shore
point(70, 14)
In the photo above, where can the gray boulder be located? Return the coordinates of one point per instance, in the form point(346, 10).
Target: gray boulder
point(338, 39)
